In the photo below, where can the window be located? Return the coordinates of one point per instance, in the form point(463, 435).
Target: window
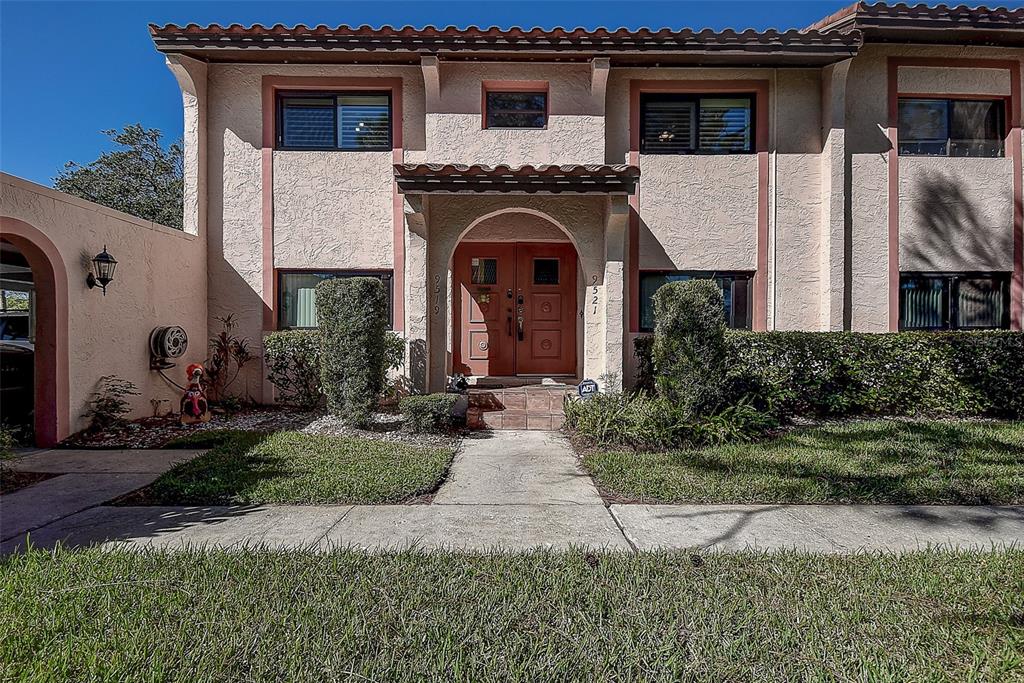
point(953, 128)
point(675, 123)
point(347, 121)
point(516, 109)
point(735, 291)
point(545, 271)
point(296, 298)
point(960, 301)
point(484, 271)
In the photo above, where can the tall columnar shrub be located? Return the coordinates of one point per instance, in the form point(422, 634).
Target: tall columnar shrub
point(293, 364)
point(689, 345)
point(353, 317)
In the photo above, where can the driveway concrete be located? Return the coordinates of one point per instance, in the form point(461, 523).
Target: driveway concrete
point(517, 468)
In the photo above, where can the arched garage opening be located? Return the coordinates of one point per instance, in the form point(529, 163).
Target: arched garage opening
point(48, 338)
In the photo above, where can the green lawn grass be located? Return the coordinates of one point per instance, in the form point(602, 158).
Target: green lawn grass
point(254, 616)
point(862, 462)
point(291, 467)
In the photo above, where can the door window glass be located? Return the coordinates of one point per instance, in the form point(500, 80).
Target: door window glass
point(484, 271)
point(545, 271)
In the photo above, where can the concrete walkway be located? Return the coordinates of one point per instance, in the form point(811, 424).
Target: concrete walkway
point(509, 490)
point(87, 479)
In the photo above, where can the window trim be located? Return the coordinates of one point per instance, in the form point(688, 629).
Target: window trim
point(696, 97)
point(281, 95)
point(951, 298)
point(532, 87)
point(943, 97)
point(748, 275)
point(386, 274)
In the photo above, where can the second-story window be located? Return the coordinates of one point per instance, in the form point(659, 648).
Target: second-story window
point(346, 121)
point(951, 128)
point(517, 109)
point(676, 123)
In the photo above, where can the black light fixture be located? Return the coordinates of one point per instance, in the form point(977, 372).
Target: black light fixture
point(103, 265)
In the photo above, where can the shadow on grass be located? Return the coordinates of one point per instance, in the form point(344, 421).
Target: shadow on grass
point(888, 462)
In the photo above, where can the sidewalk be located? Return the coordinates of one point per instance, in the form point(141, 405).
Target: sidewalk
point(507, 490)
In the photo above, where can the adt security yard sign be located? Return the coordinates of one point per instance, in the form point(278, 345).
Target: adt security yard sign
point(587, 388)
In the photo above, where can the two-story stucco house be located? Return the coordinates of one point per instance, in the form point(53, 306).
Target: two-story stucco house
point(523, 193)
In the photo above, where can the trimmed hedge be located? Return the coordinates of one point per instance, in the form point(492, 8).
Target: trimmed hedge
point(689, 345)
point(429, 413)
point(293, 363)
point(353, 316)
point(956, 374)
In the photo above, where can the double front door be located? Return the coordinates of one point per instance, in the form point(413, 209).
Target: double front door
point(514, 308)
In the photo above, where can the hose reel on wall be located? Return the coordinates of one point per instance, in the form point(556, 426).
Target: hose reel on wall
point(166, 343)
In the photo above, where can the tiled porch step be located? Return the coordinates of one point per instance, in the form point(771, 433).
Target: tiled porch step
point(531, 407)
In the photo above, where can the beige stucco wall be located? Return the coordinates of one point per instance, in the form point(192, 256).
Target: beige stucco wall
point(925, 238)
point(515, 227)
point(333, 210)
point(160, 280)
point(574, 134)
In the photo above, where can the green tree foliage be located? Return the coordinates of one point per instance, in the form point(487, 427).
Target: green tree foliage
point(140, 177)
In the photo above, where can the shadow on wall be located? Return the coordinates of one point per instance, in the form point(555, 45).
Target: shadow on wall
point(952, 221)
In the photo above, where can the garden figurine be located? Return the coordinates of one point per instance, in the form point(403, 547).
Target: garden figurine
point(194, 406)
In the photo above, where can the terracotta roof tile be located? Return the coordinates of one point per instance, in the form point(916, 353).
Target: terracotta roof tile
point(480, 179)
point(865, 16)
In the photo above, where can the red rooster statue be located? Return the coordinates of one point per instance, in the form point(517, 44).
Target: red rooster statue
point(194, 406)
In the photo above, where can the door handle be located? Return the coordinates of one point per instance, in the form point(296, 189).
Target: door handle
point(509, 325)
point(519, 327)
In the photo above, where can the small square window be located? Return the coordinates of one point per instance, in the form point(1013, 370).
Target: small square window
point(485, 271)
point(517, 109)
point(545, 271)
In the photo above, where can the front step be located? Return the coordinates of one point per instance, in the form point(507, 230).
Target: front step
point(536, 407)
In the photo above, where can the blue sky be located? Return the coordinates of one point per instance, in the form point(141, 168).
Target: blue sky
point(71, 69)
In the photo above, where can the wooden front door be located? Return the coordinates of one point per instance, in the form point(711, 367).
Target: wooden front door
point(515, 308)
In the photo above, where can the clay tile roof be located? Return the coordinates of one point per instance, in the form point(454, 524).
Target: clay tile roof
point(433, 39)
point(871, 17)
point(480, 179)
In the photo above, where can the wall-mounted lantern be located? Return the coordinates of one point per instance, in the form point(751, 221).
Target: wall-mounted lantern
point(103, 265)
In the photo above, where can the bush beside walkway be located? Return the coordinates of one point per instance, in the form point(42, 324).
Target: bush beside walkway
point(576, 616)
point(292, 467)
point(859, 462)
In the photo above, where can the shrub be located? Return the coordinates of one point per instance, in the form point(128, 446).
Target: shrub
point(689, 345)
point(109, 406)
point(293, 361)
point(353, 315)
point(229, 353)
point(645, 422)
point(957, 374)
point(8, 441)
point(430, 413)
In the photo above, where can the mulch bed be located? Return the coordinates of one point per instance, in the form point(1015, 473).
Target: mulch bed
point(13, 480)
point(154, 432)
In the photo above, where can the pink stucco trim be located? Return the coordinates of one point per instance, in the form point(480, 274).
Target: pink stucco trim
point(270, 86)
point(51, 349)
point(1012, 146)
point(760, 90)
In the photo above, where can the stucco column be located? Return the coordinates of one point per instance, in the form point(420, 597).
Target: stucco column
point(834, 177)
point(416, 332)
point(614, 322)
point(191, 76)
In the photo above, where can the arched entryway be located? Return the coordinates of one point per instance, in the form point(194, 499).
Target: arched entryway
point(515, 288)
point(48, 338)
